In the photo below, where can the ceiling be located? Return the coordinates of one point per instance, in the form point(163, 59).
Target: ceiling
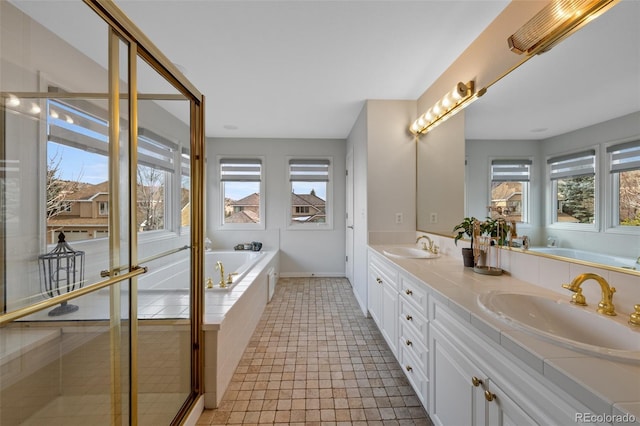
point(590, 77)
point(303, 69)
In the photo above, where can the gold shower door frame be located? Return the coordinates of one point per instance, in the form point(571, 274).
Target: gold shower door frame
point(139, 46)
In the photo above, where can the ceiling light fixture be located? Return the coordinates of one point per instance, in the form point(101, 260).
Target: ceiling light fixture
point(452, 102)
point(555, 22)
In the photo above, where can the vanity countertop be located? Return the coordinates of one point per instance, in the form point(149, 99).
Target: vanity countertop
point(608, 387)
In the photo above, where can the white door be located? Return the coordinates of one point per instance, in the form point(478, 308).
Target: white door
point(349, 219)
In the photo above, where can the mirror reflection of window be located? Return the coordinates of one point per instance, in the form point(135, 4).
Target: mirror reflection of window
point(510, 189)
point(574, 181)
point(624, 167)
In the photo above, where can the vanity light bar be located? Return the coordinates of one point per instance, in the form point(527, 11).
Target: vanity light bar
point(554, 22)
point(452, 102)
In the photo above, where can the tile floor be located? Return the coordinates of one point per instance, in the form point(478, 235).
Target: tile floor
point(316, 359)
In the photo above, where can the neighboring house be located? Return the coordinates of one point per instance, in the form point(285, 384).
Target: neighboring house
point(244, 210)
point(85, 216)
point(507, 201)
point(307, 208)
point(85, 213)
point(304, 208)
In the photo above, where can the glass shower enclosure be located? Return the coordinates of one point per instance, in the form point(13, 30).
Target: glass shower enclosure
point(101, 148)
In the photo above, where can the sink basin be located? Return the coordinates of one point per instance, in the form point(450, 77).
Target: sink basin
point(576, 327)
point(410, 253)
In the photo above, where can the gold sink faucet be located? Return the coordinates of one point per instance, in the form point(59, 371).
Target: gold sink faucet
point(220, 267)
point(432, 248)
point(605, 306)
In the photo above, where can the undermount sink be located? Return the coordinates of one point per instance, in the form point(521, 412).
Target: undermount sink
point(575, 327)
point(410, 253)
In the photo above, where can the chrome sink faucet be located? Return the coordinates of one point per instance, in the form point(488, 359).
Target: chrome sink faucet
point(605, 306)
point(432, 248)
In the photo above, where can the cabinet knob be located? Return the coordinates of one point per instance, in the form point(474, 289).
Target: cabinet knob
point(409, 317)
point(475, 381)
point(409, 342)
point(409, 368)
point(489, 396)
point(379, 280)
point(409, 292)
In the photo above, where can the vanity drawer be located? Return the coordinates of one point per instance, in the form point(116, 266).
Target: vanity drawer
point(384, 271)
point(412, 343)
point(416, 376)
point(410, 316)
point(415, 292)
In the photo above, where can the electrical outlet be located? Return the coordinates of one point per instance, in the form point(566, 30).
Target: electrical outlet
point(398, 218)
point(433, 218)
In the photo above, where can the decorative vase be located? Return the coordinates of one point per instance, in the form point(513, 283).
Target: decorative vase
point(467, 257)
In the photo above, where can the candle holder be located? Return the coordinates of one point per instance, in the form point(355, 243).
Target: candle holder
point(62, 271)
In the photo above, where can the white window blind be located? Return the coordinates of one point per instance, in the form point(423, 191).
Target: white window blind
point(246, 170)
point(624, 157)
point(70, 126)
point(185, 162)
point(155, 151)
point(511, 170)
point(309, 170)
point(573, 165)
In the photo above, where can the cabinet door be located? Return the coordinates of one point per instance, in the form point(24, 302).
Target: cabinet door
point(503, 411)
point(374, 296)
point(390, 317)
point(455, 399)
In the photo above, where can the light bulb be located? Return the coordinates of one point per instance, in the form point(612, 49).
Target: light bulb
point(35, 108)
point(53, 114)
point(13, 101)
point(69, 120)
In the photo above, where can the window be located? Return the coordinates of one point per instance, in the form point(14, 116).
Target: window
point(624, 168)
point(573, 187)
point(103, 208)
point(510, 189)
point(310, 192)
point(77, 173)
point(241, 190)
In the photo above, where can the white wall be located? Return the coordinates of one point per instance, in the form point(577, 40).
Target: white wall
point(384, 180)
point(357, 143)
point(302, 252)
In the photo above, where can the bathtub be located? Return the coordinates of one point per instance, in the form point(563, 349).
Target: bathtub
point(587, 256)
point(174, 276)
point(237, 263)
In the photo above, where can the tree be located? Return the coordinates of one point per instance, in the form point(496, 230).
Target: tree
point(150, 198)
point(577, 194)
point(629, 201)
point(58, 190)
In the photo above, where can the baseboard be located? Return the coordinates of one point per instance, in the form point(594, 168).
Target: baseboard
point(312, 275)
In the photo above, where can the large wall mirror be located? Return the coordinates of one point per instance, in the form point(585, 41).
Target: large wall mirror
point(582, 96)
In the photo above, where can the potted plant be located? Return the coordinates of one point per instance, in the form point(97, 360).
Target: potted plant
point(465, 228)
point(491, 227)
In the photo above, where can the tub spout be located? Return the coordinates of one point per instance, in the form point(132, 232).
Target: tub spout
point(220, 267)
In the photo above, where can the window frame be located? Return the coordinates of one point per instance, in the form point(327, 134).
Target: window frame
point(526, 183)
point(221, 225)
point(97, 142)
point(612, 205)
point(552, 190)
point(317, 226)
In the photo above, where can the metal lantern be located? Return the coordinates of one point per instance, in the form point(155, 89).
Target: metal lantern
point(62, 271)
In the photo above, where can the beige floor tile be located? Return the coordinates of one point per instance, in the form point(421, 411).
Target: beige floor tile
point(314, 359)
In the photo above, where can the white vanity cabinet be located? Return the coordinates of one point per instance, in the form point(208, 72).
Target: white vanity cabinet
point(414, 334)
point(383, 298)
point(473, 382)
